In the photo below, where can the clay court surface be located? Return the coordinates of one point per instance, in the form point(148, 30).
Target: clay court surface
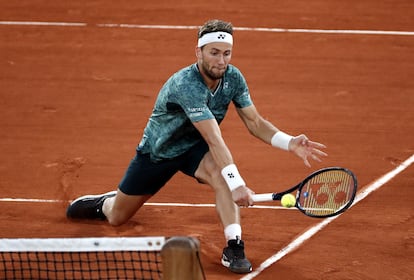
point(75, 99)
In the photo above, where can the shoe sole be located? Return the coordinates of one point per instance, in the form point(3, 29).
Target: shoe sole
point(241, 270)
point(225, 263)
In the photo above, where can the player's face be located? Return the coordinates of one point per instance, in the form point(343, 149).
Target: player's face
point(214, 58)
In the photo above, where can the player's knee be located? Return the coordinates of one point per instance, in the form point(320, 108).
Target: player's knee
point(209, 176)
point(208, 171)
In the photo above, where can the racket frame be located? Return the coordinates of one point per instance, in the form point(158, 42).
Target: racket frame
point(298, 187)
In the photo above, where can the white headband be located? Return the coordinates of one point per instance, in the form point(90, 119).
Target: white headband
point(215, 37)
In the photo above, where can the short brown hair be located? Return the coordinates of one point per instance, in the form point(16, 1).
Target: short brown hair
point(215, 25)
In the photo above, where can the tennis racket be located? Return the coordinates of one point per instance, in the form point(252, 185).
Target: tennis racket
point(325, 193)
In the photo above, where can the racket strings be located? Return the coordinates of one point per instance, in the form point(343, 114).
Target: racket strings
point(327, 193)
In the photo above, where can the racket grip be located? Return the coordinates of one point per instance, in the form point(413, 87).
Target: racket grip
point(262, 197)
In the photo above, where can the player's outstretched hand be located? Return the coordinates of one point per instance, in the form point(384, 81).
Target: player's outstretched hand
point(306, 149)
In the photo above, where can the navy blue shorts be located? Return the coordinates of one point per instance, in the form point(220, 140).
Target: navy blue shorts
point(146, 177)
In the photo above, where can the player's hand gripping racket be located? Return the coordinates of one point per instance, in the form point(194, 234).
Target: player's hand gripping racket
point(324, 193)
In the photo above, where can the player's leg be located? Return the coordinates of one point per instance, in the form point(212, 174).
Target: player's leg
point(227, 210)
point(114, 206)
point(200, 164)
point(142, 179)
point(120, 208)
point(135, 188)
point(233, 255)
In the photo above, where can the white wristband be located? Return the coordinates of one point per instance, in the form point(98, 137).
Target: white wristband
point(281, 140)
point(232, 177)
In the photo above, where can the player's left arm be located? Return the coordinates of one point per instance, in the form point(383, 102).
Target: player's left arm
point(264, 130)
point(256, 124)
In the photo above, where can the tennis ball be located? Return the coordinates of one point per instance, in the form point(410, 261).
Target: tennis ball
point(288, 200)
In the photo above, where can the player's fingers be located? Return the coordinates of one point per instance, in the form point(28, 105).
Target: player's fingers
point(319, 153)
point(243, 196)
point(306, 161)
point(251, 202)
point(250, 196)
point(316, 145)
point(244, 203)
point(315, 158)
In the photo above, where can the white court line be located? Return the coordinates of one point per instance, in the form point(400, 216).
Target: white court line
point(162, 204)
point(257, 29)
point(43, 23)
point(313, 230)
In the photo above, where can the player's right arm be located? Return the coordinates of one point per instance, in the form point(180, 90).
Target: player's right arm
point(210, 131)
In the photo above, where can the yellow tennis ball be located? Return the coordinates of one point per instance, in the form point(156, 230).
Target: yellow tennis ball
point(288, 200)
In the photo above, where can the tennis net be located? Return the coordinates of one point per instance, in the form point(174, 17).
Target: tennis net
point(82, 258)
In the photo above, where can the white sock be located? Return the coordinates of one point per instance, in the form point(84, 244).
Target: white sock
point(232, 231)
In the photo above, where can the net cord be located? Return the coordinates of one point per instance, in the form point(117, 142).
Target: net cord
point(90, 244)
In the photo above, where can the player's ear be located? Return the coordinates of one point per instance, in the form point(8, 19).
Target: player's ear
point(198, 52)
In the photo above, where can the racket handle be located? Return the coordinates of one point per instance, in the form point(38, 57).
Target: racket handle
point(262, 197)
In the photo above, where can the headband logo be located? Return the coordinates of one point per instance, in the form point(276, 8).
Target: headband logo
point(221, 36)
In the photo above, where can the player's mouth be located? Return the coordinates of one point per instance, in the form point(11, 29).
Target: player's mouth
point(220, 69)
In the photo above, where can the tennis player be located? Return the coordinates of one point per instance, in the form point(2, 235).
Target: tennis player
point(183, 134)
